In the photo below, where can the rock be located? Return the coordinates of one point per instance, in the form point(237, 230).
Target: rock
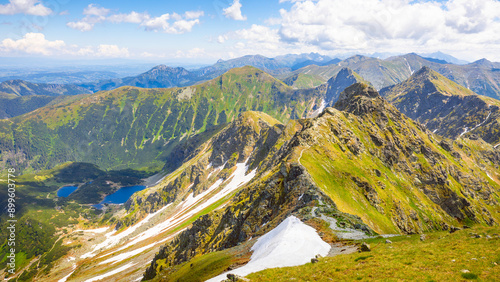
point(464, 271)
point(488, 237)
point(445, 144)
point(318, 256)
point(314, 260)
point(364, 247)
point(388, 241)
point(422, 237)
point(475, 235)
point(465, 227)
point(454, 229)
point(233, 278)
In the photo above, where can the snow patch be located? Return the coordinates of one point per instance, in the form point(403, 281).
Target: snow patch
point(478, 125)
point(408, 65)
point(113, 240)
point(319, 110)
point(67, 276)
point(127, 255)
point(237, 179)
point(118, 270)
point(291, 243)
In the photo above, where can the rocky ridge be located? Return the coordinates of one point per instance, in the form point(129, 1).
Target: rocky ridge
point(445, 107)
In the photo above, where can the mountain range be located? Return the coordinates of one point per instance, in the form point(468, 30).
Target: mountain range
point(229, 162)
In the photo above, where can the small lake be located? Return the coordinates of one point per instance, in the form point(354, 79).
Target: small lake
point(120, 196)
point(66, 191)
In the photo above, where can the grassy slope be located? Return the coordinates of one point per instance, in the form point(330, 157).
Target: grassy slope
point(136, 127)
point(441, 257)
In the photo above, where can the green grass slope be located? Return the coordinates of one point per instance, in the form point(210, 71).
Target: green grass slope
point(440, 257)
point(134, 127)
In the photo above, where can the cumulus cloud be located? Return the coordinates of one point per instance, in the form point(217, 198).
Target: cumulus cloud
point(37, 44)
point(234, 11)
point(111, 51)
point(132, 17)
point(378, 25)
point(167, 23)
point(32, 43)
point(28, 7)
point(93, 15)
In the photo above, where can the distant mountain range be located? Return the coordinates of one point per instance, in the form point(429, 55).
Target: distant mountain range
point(24, 88)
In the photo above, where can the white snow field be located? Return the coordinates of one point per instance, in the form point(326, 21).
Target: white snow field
point(291, 243)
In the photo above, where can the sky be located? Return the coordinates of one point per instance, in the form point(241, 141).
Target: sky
point(207, 30)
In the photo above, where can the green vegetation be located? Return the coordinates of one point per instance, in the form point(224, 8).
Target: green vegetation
point(440, 257)
point(304, 81)
point(138, 128)
point(206, 266)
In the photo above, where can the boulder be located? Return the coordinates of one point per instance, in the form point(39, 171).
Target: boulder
point(365, 247)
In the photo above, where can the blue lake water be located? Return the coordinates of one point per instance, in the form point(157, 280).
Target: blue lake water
point(66, 191)
point(120, 196)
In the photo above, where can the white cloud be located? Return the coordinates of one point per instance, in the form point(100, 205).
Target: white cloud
point(193, 14)
point(157, 23)
point(37, 44)
point(81, 25)
point(94, 10)
point(163, 23)
point(111, 51)
point(32, 43)
point(28, 7)
point(234, 11)
point(365, 26)
point(93, 15)
point(167, 23)
point(132, 17)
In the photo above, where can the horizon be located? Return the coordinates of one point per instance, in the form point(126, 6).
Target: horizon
point(60, 63)
point(201, 32)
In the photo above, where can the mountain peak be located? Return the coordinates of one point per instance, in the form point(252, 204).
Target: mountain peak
point(358, 89)
point(344, 78)
point(425, 72)
point(359, 99)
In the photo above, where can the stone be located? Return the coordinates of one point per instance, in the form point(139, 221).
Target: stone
point(422, 237)
point(388, 241)
point(233, 278)
point(365, 247)
point(314, 260)
point(454, 229)
point(464, 271)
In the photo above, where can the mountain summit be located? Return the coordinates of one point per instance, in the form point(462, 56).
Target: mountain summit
point(344, 78)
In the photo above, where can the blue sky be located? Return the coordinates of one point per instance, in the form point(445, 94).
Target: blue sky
point(207, 30)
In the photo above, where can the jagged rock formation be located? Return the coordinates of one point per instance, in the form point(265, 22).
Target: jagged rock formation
point(445, 107)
